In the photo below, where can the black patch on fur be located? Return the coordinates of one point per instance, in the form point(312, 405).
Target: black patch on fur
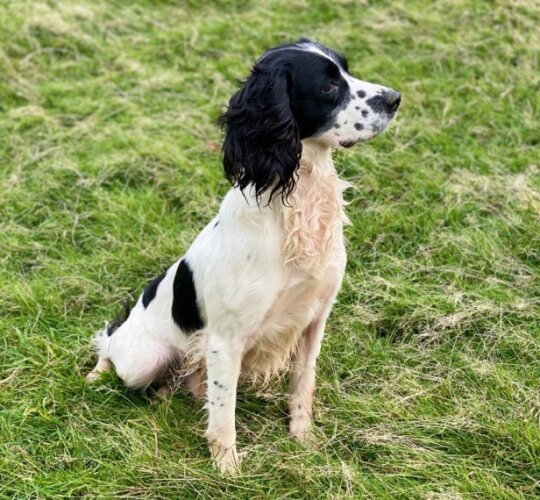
point(377, 104)
point(358, 126)
point(262, 141)
point(185, 310)
point(336, 125)
point(117, 322)
point(150, 291)
point(361, 94)
point(347, 144)
point(365, 112)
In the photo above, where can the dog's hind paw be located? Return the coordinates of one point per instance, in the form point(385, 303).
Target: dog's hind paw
point(93, 376)
point(103, 365)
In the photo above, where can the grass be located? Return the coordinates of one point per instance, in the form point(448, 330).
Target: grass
point(429, 379)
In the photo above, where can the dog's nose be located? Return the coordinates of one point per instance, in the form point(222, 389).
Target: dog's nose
point(386, 101)
point(391, 100)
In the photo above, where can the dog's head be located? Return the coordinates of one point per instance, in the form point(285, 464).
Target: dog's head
point(298, 91)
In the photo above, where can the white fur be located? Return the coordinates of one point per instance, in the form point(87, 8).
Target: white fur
point(265, 277)
point(262, 276)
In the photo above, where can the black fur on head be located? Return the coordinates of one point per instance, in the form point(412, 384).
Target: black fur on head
point(297, 91)
point(262, 143)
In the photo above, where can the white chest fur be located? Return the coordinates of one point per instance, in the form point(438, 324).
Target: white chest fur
point(313, 261)
point(277, 264)
point(313, 219)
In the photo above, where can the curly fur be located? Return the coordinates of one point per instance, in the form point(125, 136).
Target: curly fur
point(262, 144)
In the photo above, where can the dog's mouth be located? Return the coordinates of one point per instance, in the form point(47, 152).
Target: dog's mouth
point(375, 128)
point(348, 144)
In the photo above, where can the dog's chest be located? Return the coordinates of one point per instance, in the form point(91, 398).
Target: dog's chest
point(313, 257)
point(312, 223)
point(299, 302)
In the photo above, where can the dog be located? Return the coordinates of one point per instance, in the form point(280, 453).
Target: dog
point(252, 294)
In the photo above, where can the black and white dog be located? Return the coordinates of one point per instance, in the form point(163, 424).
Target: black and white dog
point(252, 294)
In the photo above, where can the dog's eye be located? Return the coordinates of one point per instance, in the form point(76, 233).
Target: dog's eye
point(330, 87)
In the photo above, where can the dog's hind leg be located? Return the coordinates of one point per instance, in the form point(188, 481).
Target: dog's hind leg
point(196, 384)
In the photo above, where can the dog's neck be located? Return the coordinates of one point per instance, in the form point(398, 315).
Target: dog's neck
point(316, 157)
point(314, 215)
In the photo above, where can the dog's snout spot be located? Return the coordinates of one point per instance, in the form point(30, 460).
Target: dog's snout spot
point(361, 94)
point(376, 103)
point(365, 113)
point(358, 126)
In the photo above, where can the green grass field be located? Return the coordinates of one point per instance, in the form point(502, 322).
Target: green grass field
point(429, 379)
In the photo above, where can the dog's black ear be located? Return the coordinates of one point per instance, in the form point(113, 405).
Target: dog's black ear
point(262, 142)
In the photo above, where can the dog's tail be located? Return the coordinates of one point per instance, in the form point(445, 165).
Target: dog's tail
point(100, 341)
point(102, 337)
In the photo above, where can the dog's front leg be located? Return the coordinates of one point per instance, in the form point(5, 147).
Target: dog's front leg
point(302, 382)
point(223, 361)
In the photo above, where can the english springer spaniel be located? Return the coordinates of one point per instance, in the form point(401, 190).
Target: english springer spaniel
point(252, 294)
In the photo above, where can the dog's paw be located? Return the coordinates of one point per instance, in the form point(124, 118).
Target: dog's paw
point(306, 437)
point(300, 429)
point(226, 459)
point(164, 392)
point(161, 395)
point(102, 366)
point(93, 376)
